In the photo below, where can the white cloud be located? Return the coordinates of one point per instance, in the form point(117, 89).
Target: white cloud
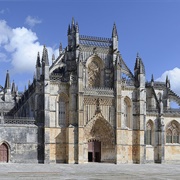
point(32, 21)
point(174, 76)
point(21, 45)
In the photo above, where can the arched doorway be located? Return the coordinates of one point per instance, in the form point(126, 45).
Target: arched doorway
point(100, 140)
point(3, 153)
point(94, 151)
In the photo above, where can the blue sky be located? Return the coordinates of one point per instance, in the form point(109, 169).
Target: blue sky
point(150, 27)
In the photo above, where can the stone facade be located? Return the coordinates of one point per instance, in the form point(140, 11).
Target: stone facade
point(88, 106)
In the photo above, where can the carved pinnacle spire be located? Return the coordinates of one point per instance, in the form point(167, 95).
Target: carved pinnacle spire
point(45, 58)
point(73, 28)
point(7, 81)
point(167, 82)
point(38, 64)
point(152, 78)
point(114, 31)
point(69, 30)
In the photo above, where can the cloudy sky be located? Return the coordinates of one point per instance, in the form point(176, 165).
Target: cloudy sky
point(151, 28)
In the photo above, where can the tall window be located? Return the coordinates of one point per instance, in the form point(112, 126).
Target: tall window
point(94, 74)
point(149, 133)
point(127, 113)
point(62, 112)
point(172, 132)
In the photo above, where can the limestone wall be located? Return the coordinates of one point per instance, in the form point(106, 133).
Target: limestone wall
point(22, 142)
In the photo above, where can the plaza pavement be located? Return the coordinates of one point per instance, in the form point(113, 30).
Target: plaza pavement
point(90, 171)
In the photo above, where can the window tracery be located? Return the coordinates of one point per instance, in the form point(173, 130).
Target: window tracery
point(94, 74)
point(172, 132)
point(149, 127)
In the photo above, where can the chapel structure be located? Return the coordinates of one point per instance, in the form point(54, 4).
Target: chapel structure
point(88, 106)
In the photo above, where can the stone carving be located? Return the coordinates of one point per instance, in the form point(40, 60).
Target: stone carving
point(98, 128)
point(93, 74)
point(102, 101)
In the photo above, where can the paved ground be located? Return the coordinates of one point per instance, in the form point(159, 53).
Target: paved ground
point(91, 171)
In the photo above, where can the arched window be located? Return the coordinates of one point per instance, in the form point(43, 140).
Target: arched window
point(149, 127)
point(63, 111)
point(127, 112)
point(168, 136)
point(172, 132)
point(94, 74)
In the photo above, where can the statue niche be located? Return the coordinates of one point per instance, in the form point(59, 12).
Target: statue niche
point(94, 74)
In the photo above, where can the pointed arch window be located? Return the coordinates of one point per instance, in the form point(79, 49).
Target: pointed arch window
point(172, 132)
point(127, 113)
point(63, 111)
point(94, 74)
point(149, 133)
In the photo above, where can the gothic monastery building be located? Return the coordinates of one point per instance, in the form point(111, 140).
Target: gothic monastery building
point(88, 106)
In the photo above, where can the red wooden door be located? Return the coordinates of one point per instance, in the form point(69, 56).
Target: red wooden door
point(3, 153)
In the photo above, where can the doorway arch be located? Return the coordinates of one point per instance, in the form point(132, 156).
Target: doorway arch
point(4, 153)
point(100, 140)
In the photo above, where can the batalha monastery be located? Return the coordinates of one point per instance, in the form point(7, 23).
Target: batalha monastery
point(89, 107)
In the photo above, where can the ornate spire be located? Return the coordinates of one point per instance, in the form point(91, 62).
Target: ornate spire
point(38, 63)
point(7, 81)
point(139, 65)
point(73, 28)
point(45, 58)
point(69, 30)
point(72, 22)
point(168, 82)
point(114, 31)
